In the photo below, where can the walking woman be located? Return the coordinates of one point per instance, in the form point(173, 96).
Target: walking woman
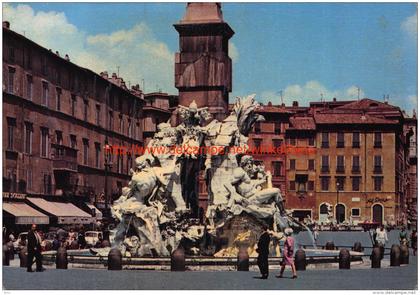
point(288, 259)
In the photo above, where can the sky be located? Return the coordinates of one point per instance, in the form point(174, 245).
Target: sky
point(303, 50)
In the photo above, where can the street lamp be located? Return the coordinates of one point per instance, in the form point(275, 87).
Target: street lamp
point(336, 206)
point(107, 165)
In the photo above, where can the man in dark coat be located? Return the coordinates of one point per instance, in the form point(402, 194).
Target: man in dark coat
point(34, 249)
point(263, 244)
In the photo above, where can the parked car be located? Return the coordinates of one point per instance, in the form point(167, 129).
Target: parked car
point(92, 237)
point(20, 242)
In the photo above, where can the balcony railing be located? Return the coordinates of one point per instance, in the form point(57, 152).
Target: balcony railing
point(61, 164)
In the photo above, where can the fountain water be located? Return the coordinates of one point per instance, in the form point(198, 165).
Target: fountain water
point(311, 235)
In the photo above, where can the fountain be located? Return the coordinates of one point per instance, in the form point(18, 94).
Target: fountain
point(157, 211)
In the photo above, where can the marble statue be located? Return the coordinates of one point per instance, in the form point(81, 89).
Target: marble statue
point(157, 210)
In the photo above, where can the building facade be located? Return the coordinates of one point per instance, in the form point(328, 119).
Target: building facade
point(63, 124)
point(350, 155)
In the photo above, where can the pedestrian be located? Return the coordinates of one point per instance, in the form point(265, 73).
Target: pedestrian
point(12, 237)
point(62, 234)
point(316, 234)
point(72, 235)
point(55, 243)
point(381, 239)
point(413, 239)
point(403, 236)
point(262, 250)
point(81, 239)
point(288, 258)
point(34, 249)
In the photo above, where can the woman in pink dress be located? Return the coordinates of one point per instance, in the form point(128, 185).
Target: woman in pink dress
point(288, 259)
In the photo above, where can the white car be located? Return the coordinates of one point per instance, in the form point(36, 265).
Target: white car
point(92, 237)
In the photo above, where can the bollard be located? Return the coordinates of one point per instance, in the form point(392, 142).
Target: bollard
point(344, 259)
point(395, 255)
point(357, 247)
point(11, 250)
point(404, 254)
point(6, 255)
point(330, 246)
point(300, 260)
point(115, 259)
point(61, 261)
point(375, 257)
point(382, 248)
point(23, 257)
point(243, 260)
point(178, 260)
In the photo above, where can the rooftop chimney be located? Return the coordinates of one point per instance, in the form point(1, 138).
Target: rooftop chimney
point(295, 103)
point(6, 25)
point(67, 57)
point(104, 74)
point(334, 99)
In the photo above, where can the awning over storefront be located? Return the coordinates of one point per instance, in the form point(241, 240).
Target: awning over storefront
point(98, 213)
point(25, 214)
point(66, 213)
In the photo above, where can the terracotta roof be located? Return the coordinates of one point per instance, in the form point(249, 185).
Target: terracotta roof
point(302, 123)
point(273, 109)
point(349, 118)
point(368, 104)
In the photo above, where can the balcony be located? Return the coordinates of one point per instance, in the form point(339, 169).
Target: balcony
point(64, 158)
point(68, 189)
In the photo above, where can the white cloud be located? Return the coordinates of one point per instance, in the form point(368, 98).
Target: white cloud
point(233, 52)
point(409, 25)
point(310, 91)
point(136, 51)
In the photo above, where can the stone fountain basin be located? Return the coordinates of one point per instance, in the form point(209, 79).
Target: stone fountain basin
point(84, 259)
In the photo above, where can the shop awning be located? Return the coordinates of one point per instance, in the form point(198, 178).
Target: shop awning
point(25, 214)
point(66, 213)
point(98, 213)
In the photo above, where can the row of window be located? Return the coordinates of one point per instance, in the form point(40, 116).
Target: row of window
point(132, 130)
point(304, 186)
point(340, 168)
point(325, 140)
point(45, 144)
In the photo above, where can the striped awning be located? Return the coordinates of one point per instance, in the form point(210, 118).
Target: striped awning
point(25, 214)
point(66, 213)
